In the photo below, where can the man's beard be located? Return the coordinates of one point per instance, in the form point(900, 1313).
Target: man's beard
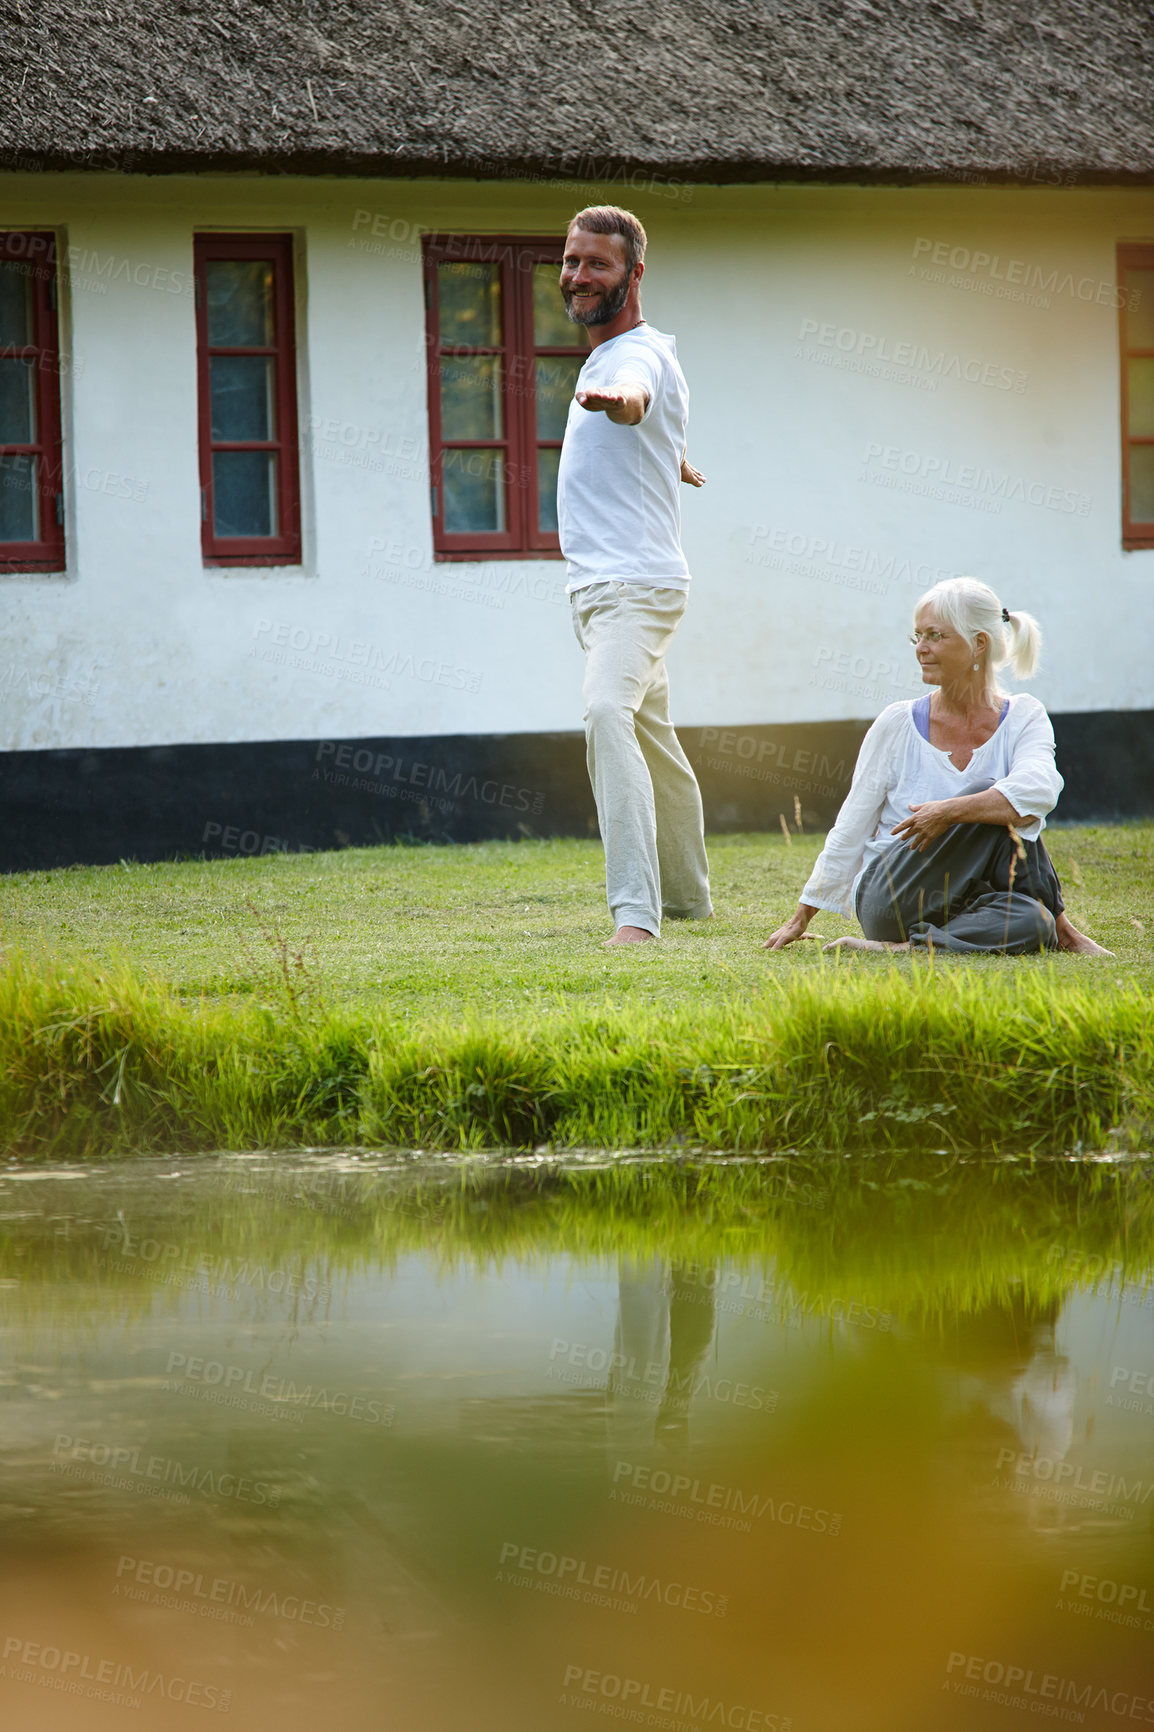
point(606, 309)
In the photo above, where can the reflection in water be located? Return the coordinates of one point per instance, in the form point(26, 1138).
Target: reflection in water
point(435, 1448)
point(1011, 1366)
point(665, 1324)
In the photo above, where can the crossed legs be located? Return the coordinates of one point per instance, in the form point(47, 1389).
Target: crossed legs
point(974, 889)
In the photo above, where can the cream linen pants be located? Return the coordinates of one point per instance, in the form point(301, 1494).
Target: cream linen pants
point(648, 801)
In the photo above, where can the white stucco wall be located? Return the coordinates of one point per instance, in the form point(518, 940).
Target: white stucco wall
point(805, 563)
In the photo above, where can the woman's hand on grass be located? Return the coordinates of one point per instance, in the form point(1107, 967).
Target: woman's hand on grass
point(931, 818)
point(794, 928)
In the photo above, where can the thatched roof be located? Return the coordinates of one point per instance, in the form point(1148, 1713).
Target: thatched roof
point(712, 90)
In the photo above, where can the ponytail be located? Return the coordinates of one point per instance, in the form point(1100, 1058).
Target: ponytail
point(1023, 650)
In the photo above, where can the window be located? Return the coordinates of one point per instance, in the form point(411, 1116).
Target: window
point(503, 361)
point(246, 360)
point(1136, 282)
point(31, 465)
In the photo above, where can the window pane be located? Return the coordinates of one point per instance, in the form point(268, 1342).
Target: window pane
point(552, 327)
point(242, 397)
point(19, 512)
point(1140, 319)
point(15, 303)
point(547, 464)
point(470, 299)
point(1140, 383)
point(17, 403)
point(474, 485)
point(244, 493)
point(239, 302)
point(556, 382)
point(1142, 483)
point(471, 398)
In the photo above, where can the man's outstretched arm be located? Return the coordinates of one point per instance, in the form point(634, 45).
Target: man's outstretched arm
point(625, 407)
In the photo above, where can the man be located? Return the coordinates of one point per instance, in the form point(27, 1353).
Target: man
point(619, 516)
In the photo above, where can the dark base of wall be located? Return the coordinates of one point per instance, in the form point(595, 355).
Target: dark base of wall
point(93, 807)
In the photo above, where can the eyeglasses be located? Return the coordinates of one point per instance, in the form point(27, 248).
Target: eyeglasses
point(931, 637)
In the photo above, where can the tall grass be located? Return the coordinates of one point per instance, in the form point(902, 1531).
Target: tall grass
point(919, 1057)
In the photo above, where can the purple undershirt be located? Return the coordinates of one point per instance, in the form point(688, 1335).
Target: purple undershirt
point(922, 716)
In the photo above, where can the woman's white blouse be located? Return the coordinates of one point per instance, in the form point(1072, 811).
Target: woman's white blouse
point(897, 768)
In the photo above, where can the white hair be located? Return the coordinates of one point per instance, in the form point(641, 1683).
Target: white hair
point(969, 607)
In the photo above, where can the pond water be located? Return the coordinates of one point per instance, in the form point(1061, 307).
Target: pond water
point(452, 1447)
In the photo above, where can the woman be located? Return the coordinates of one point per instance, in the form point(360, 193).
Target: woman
point(938, 841)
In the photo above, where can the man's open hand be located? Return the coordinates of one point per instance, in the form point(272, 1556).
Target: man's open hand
point(624, 407)
point(691, 476)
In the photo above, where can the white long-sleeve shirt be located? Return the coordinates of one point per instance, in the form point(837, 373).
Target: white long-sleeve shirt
point(897, 768)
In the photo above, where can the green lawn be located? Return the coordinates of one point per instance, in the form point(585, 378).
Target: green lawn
point(439, 931)
point(423, 997)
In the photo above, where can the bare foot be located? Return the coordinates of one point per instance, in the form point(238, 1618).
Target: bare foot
point(631, 935)
point(861, 944)
point(1069, 938)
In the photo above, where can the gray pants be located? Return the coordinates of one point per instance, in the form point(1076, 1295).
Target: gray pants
point(648, 801)
point(969, 891)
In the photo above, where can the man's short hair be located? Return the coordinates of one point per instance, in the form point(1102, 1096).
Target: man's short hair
point(610, 219)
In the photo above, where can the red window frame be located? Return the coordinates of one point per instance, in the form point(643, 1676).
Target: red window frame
point(1132, 255)
point(516, 254)
point(283, 547)
point(36, 250)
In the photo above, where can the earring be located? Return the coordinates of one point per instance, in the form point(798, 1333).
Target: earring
point(975, 667)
